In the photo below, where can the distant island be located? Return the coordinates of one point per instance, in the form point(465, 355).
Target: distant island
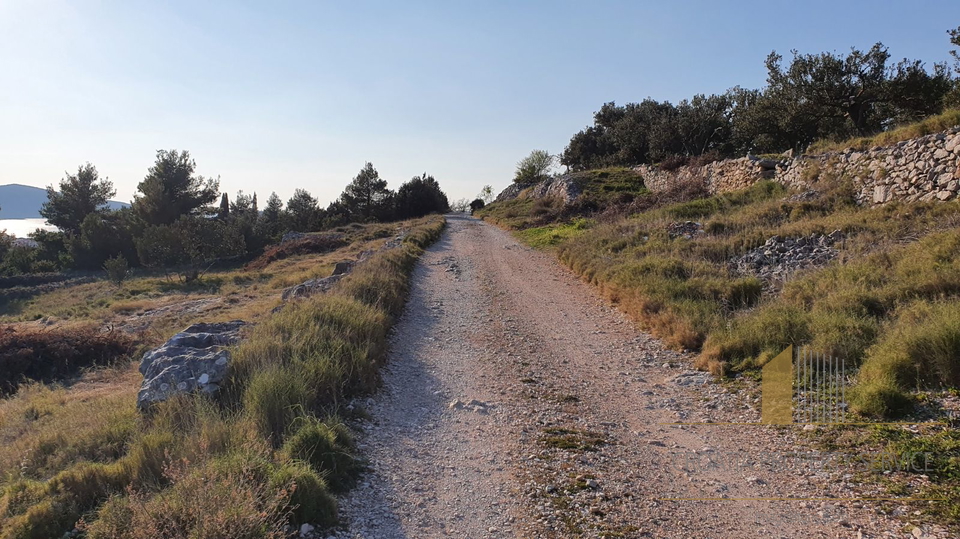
point(24, 201)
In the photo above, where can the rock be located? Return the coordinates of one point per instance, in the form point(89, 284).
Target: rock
point(343, 267)
point(310, 287)
point(512, 191)
point(685, 229)
point(592, 484)
point(192, 360)
point(292, 236)
point(809, 428)
point(563, 187)
point(880, 194)
point(306, 529)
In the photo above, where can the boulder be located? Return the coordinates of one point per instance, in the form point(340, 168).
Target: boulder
point(344, 266)
point(193, 360)
point(512, 191)
point(311, 287)
point(292, 236)
point(562, 187)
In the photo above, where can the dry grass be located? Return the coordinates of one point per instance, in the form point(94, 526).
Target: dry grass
point(927, 126)
point(242, 467)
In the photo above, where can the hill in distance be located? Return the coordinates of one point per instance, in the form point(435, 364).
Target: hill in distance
point(24, 201)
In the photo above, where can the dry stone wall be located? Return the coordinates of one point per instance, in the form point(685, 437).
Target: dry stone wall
point(925, 168)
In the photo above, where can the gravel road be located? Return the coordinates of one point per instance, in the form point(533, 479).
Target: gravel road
point(517, 403)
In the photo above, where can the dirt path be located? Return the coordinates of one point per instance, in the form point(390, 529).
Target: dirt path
point(516, 403)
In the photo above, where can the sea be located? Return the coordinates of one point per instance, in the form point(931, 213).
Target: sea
point(21, 227)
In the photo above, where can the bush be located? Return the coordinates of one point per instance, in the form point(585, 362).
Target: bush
point(328, 448)
point(920, 350)
point(309, 501)
point(674, 162)
point(275, 398)
point(52, 354)
point(313, 244)
point(117, 269)
point(189, 246)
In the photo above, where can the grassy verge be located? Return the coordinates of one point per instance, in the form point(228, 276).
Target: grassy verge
point(270, 452)
point(888, 301)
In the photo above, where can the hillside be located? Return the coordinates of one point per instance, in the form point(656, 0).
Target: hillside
point(851, 254)
point(24, 201)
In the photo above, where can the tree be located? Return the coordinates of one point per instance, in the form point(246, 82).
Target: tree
point(190, 246)
point(303, 212)
point(270, 222)
point(224, 212)
point(366, 195)
point(336, 214)
point(420, 196)
point(590, 148)
point(171, 190)
point(103, 235)
point(79, 196)
point(955, 41)
point(534, 167)
point(117, 269)
point(486, 194)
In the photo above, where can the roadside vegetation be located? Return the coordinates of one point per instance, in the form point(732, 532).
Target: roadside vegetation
point(270, 452)
point(175, 225)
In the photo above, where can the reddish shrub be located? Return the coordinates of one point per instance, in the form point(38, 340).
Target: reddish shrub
point(321, 243)
point(50, 354)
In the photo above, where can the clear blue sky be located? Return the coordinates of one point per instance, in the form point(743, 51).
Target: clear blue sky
point(271, 96)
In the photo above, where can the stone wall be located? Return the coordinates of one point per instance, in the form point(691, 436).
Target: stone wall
point(925, 168)
point(719, 176)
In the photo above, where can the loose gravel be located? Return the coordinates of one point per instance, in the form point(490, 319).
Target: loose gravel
point(517, 403)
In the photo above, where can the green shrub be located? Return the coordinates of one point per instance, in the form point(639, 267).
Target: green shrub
point(754, 339)
point(920, 349)
point(117, 269)
point(328, 448)
point(275, 398)
point(309, 501)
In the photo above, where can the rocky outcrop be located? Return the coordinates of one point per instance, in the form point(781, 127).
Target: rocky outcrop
point(194, 360)
point(321, 285)
point(311, 287)
point(920, 169)
point(512, 191)
point(779, 257)
point(685, 229)
point(563, 187)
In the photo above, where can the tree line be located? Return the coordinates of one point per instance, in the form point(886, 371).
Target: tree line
point(175, 222)
point(825, 96)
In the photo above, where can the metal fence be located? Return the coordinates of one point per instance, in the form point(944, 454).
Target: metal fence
point(819, 388)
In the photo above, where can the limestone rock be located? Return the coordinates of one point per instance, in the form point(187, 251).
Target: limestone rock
point(193, 360)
